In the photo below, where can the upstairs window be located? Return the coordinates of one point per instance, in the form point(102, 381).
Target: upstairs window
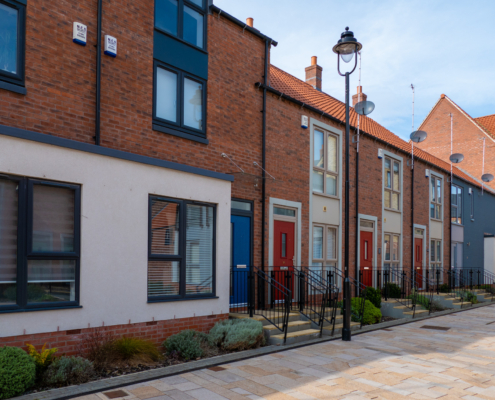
point(325, 163)
point(185, 19)
point(436, 198)
point(392, 184)
point(12, 38)
point(456, 204)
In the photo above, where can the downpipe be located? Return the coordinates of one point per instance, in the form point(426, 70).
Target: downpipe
point(98, 75)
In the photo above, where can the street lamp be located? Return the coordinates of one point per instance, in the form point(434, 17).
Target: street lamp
point(346, 48)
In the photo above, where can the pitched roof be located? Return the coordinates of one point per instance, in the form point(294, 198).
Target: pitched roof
point(293, 87)
point(487, 122)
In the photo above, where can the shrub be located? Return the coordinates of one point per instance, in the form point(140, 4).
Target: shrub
point(127, 348)
point(375, 296)
point(371, 315)
point(43, 359)
point(68, 371)
point(97, 347)
point(392, 290)
point(17, 372)
point(436, 306)
point(444, 288)
point(468, 296)
point(237, 334)
point(186, 344)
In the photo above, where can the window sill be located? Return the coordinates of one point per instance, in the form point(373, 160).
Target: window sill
point(12, 87)
point(328, 196)
point(456, 224)
point(180, 133)
point(182, 299)
point(21, 310)
point(181, 40)
point(393, 210)
point(436, 219)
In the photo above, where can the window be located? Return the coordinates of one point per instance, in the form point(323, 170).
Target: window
point(472, 203)
point(180, 101)
point(324, 246)
point(39, 244)
point(392, 183)
point(287, 212)
point(456, 204)
point(435, 255)
point(181, 249)
point(325, 163)
point(185, 19)
point(12, 37)
point(436, 198)
point(392, 251)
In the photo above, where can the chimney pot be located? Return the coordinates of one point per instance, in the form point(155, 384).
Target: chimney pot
point(314, 73)
point(250, 22)
point(360, 96)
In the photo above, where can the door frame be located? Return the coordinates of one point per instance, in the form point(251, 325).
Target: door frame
point(250, 214)
point(294, 205)
point(426, 242)
point(375, 247)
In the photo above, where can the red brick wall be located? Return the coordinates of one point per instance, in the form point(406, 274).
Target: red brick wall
point(68, 342)
point(466, 139)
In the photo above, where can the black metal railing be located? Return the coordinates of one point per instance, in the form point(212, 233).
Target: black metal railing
point(478, 278)
point(254, 292)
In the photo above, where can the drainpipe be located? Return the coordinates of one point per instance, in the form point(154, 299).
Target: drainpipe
point(263, 159)
point(413, 276)
point(357, 219)
point(98, 75)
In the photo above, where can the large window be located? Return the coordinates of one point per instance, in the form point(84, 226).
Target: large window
point(325, 163)
point(436, 198)
point(181, 249)
point(185, 19)
point(435, 254)
point(456, 204)
point(12, 37)
point(324, 246)
point(392, 251)
point(180, 100)
point(392, 183)
point(39, 244)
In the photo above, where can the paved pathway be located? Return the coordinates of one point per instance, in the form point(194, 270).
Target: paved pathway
point(407, 361)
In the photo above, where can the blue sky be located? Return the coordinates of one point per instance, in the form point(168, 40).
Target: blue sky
point(440, 46)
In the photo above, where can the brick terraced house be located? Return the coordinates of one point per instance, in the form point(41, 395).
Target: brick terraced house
point(142, 192)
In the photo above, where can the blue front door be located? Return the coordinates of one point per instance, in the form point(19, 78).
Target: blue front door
point(240, 258)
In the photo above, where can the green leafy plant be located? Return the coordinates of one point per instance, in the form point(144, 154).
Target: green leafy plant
point(392, 290)
point(97, 347)
point(186, 344)
point(128, 348)
point(68, 371)
point(17, 372)
point(237, 334)
point(420, 299)
point(42, 359)
point(444, 288)
point(375, 296)
point(371, 315)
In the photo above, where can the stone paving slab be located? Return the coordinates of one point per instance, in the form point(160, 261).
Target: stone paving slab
point(404, 360)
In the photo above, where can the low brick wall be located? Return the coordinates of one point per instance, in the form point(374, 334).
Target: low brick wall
point(67, 342)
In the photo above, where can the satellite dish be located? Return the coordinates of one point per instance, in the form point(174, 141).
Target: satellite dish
point(487, 177)
point(418, 136)
point(364, 107)
point(456, 158)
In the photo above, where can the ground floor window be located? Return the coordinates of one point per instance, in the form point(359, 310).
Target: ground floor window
point(39, 244)
point(324, 245)
point(181, 249)
point(391, 251)
point(435, 254)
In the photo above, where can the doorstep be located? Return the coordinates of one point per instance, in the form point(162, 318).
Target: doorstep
point(70, 392)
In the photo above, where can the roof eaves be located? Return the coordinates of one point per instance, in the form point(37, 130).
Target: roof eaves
point(243, 25)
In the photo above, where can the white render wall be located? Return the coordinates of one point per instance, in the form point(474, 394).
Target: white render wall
point(114, 236)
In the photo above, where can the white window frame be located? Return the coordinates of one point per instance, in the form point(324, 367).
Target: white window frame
point(392, 189)
point(434, 200)
point(390, 262)
point(457, 207)
point(325, 261)
point(435, 262)
point(325, 170)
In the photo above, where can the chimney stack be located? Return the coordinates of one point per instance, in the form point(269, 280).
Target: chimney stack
point(359, 96)
point(249, 22)
point(313, 74)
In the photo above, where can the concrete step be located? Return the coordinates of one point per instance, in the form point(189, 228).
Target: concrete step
point(395, 310)
point(293, 326)
point(460, 304)
point(485, 297)
point(295, 337)
point(327, 331)
point(275, 317)
point(416, 313)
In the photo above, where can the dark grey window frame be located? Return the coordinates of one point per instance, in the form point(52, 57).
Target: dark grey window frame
point(181, 257)
point(180, 23)
point(456, 206)
point(24, 245)
point(178, 128)
point(9, 81)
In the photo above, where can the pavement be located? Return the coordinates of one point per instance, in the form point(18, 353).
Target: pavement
point(448, 357)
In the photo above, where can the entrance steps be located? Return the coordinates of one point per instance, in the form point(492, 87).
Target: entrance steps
point(446, 300)
point(394, 309)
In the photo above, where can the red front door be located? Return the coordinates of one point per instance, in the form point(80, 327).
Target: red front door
point(366, 262)
point(418, 261)
point(283, 254)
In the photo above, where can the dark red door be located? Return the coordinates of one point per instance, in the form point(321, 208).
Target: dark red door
point(418, 261)
point(366, 261)
point(283, 254)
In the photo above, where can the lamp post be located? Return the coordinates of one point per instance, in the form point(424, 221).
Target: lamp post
point(346, 48)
